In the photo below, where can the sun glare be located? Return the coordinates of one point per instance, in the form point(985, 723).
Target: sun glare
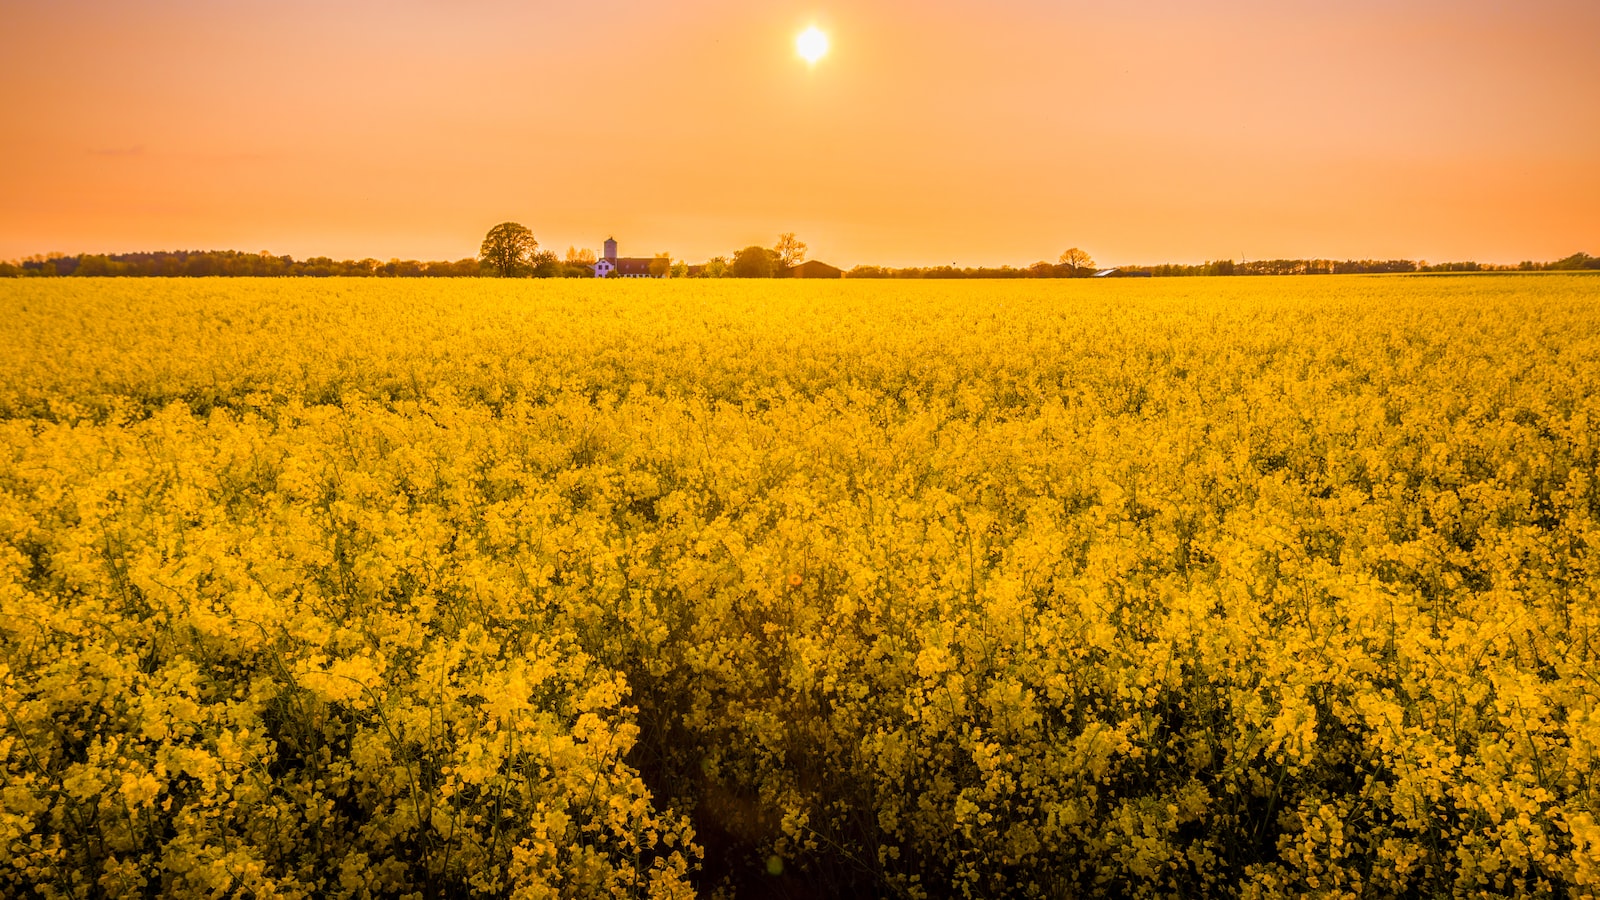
point(812, 44)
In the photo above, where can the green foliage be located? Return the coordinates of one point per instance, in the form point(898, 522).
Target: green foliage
point(508, 250)
point(754, 262)
point(1576, 261)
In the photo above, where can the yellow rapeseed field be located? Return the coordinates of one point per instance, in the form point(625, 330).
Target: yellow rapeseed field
point(1239, 587)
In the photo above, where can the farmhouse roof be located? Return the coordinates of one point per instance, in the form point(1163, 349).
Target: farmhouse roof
point(634, 265)
point(815, 268)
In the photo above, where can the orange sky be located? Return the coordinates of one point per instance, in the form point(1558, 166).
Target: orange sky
point(935, 132)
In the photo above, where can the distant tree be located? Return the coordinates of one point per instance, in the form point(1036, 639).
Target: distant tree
point(507, 249)
point(92, 266)
point(754, 262)
point(578, 263)
point(661, 265)
point(1575, 261)
point(715, 267)
point(866, 271)
point(394, 268)
point(680, 269)
point(546, 264)
point(791, 252)
point(1076, 261)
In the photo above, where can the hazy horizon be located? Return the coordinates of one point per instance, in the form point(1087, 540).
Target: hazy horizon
point(933, 133)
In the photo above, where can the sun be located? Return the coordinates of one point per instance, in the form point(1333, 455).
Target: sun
point(812, 44)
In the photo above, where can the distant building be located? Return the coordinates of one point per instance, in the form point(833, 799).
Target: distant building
point(815, 269)
point(610, 266)
point(1122, 273)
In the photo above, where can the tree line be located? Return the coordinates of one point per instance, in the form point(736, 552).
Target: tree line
point(507, 252)
point(1575, 262)
point(229, 263)
point(510, 250)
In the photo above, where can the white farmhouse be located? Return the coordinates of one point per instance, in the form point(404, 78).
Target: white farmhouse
point(609, 266)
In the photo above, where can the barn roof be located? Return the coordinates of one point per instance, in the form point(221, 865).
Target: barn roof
point(634, 265)
point(815, 268)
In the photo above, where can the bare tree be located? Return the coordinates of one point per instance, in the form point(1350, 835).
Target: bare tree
point(1076, 260)
point(791, 251)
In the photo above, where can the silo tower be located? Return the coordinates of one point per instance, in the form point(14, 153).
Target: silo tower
point(611, 249)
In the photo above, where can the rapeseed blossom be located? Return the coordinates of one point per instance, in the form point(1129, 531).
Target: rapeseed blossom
point(1234, 587)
